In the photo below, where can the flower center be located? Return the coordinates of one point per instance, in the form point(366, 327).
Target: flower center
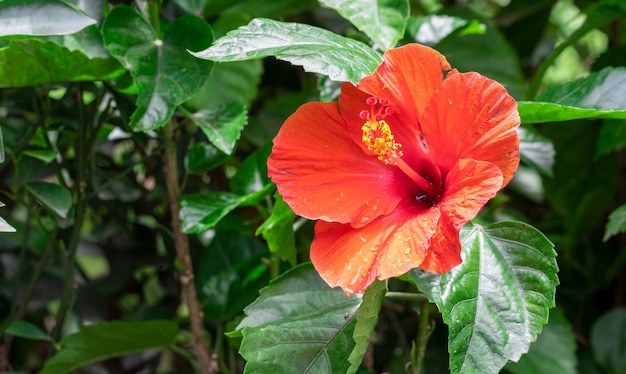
point(378, 138)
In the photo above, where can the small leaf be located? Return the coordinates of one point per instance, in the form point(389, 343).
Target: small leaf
point(203, 157)
point(109, 339)
point(496, 302)
point(27, 330)
point(383, 21)
point(315, 49)
point(40, 17)
point(45, 155)
point(608, 341)
point(536, 151)
point(30, 62)
point(366, 319)
point(612, 137)
point(616, 224)
point(599, 95)
point(200, 212)
point(51, 195)
point(277, 230)
point(5, 227)
point(553, 352)
point(222, 125)
point(298, 325)
point(165, 74)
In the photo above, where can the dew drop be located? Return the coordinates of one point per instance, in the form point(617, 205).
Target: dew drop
point(365, 260)
point(407, 250)
point(363, 239)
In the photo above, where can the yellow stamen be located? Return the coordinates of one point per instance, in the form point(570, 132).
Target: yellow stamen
point(378, 138)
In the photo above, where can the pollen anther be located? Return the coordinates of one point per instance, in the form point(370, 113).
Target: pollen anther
point(378, 138)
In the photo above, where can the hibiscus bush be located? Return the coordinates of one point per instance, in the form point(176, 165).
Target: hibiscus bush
point(299, 186)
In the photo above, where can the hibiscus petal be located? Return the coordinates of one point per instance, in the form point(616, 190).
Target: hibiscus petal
point(469, 186)
point(322, 174)
point(386, 247)
point(408, 76)
point(471, 116)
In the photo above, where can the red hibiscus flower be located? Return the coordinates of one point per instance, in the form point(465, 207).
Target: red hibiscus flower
point(396, 167)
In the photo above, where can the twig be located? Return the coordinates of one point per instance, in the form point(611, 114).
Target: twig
point(181, 242)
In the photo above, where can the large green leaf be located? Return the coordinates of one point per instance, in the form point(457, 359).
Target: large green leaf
point(230, 273)
point(51, 195)
point(277, 230)
point(40, 17)
point(29, 62)
point(222, 125)
point(608, 341)
point(488, 53)
point(203, 157)
point(536, 150)
point(298, 325)
point(383, 21)
point(553, 352)
point(617, 223)
point(496, 302)
point(432, 29)
point(612, 137)
point(599, 95)
point(109, 339)
point(200, 212)
point(315, 49)
point(366, 319)
point(165, 74)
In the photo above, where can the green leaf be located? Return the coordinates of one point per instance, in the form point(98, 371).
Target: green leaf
point(191, 6)
point(251, 175)
point(536, 150)
point(230, 83)
point(616, 224)
point(553, 352)
point(230, 273)
point(5, 227)
point(268, 9)
point(432, 29)
point(383, 21)
point(27, 330)
point(51, 195)
point(612, 137)
point(496, 302)
point(599, 95)
point(315, 49)
point(165, 73)
point(277, 230)
point(40, 17)
point(45, 155)
point(109, 339)
point(366, 319)
point(200, 212)
point(489, 54)
point(608, 341)
point(203, 157)
point(29, 62)
point(298, 325)
point(222, 125)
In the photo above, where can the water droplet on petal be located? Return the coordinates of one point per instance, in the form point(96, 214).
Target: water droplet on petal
point(363, 239)
point(365, 260)
point(407, 250)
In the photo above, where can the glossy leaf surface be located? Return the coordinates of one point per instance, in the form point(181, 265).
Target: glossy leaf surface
point(200, 212)
point(166, 75)
point(299, 325)
point(51, 195)
point(496, 302)
point(383, 21)
point(40, 17)
point(617, 223)
point(316, 50)
point(27, 330)
point(222, 125)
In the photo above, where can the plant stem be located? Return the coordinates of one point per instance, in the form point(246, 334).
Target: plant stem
point(425, 328)
point(181, 243)
point(80, 186)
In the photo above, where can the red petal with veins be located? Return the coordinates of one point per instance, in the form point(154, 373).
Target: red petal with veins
point(322, 174)
point(471, 116)
point(469, 185)
point(386, 247)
